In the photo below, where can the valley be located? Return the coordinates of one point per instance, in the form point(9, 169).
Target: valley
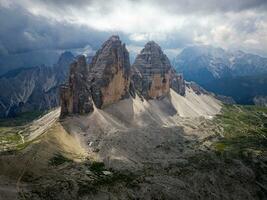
point(143, 162)
point(133, 100)
point(134, 132)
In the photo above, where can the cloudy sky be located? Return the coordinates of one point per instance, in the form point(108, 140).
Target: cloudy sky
point(29, 25)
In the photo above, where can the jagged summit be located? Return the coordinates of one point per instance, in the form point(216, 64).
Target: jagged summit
point(110, 72)
point(104, 81)
point(153, 48)
point(152, 45)
point(114, 38)
point(76, 95)
point(112, 52)
point(152, 56)
point(152, 72)
point(110, 78)
point(66, 55)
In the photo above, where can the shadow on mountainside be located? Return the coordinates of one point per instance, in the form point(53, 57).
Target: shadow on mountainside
point(136, 161)
point(200, 175)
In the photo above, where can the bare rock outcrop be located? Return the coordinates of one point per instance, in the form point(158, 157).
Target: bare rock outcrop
point(110, 78)
point(110, 73)
point(152, 72)
point(104, 81)
point(178, 83)
point(197, 88)
point(260, 100)
point(76, 95)
point(33, 88)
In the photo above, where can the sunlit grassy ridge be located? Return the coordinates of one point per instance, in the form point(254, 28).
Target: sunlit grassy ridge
point(21, 119)
point(12, 130)
point(244, 129)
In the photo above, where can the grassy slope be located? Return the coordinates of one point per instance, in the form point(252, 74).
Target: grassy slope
point(12, 129)
point(20, 120)
point(244, 129)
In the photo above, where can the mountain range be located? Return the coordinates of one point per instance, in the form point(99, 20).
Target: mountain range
point(239, 75)
point(109, 77)
point(127, 131)
point(34, 88)
point(235, 74)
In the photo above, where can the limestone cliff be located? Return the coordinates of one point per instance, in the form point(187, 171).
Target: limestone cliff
point(110, 78)
point(177, 83)
point(152, 72)
point(153, 75)
point(104, 81)
point(33, 89)
point(110, 73)
point(76, 95)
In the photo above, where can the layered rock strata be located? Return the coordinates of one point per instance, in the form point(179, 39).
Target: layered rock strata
point(152, 72)
point(76, 95)
point(33, 89)
point(177, 83)
point(110, 78)
point(104, 81)
point(110, 73)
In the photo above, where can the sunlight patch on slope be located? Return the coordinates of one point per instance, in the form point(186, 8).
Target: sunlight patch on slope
point(193, 105)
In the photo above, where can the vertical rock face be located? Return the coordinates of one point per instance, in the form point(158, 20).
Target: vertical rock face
point(152, 72)
point(177, 83)
point(106, 80)
point(34, 88)
point(76, 95)
point(110, 78)
point(110, 73)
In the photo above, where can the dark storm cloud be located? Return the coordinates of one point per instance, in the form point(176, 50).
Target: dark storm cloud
point(21, 31)
point(181, 6)
point(66, 24)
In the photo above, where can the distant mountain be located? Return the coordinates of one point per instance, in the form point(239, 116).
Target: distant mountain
point(34, 88)
point(28, 59)
point(35, 58)
point(237, 74)
point(110, 78)
point(243, 89)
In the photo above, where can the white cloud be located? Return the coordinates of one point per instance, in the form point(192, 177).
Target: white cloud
point(172, 53)
point(175, 23)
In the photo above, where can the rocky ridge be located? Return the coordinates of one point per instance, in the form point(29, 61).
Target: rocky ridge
point(35, 88)
point(104, 81)
point(110, 73)
point(152, 72)
point(236, 74)
point(110, 78)
point(260, 100)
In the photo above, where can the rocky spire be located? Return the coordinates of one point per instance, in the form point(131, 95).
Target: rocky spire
point(76, 95)
point(110, 78)
point(106, 80)
point(152, 72)
point(177, 82)
point(110, 72)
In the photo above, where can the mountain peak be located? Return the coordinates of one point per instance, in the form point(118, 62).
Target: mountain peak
point(66, 54)
point(108, 78)
point(152, 43)
point(113, 42)
point(152, 46)
point(152, 56)
point(81, 60)
point(114, 38)
point(105, 83)
point(65, 57)
point(153, 75)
